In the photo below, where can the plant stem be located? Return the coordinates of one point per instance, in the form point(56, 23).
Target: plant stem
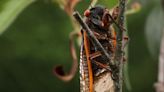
point(119, 48)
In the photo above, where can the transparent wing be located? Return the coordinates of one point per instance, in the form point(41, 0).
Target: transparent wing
point(84, 76)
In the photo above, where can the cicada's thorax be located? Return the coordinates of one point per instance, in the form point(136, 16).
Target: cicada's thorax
point(99, 23)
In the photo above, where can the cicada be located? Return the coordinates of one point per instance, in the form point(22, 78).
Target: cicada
point(97, 49)
point(94, 64)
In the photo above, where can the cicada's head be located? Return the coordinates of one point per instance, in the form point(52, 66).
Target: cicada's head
point(95, 15)
point(95, 12)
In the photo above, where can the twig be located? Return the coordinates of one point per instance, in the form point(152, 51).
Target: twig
point(119, 48)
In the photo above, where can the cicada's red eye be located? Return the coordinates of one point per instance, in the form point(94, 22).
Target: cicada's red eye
point(87, 13)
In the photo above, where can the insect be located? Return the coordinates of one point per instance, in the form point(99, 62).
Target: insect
point(93, 63)
point(97, 48)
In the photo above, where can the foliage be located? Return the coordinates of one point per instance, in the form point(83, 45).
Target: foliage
point(9, 9)
point(153, 30)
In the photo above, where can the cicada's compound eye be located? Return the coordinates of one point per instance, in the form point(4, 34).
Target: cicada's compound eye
point(87, 13)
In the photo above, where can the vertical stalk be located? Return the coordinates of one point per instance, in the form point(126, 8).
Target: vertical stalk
point(119, 48)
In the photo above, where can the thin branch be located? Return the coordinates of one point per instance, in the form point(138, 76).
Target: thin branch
point(119, 48)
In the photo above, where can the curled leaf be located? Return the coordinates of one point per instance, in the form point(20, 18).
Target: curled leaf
point(58, 71)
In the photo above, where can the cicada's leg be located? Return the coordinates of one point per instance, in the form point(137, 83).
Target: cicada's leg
point(109, 19)
point(58, 70)
point(115, 13)
point(101, 65)
point(95, 55)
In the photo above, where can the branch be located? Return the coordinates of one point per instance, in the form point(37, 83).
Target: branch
point(119, 49)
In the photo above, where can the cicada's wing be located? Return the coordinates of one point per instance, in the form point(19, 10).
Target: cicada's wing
point(84, 76)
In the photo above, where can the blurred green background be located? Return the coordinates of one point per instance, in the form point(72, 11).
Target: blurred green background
point(38, 40)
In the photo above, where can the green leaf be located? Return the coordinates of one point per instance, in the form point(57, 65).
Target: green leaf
point(9, 10)
point(153, 30)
